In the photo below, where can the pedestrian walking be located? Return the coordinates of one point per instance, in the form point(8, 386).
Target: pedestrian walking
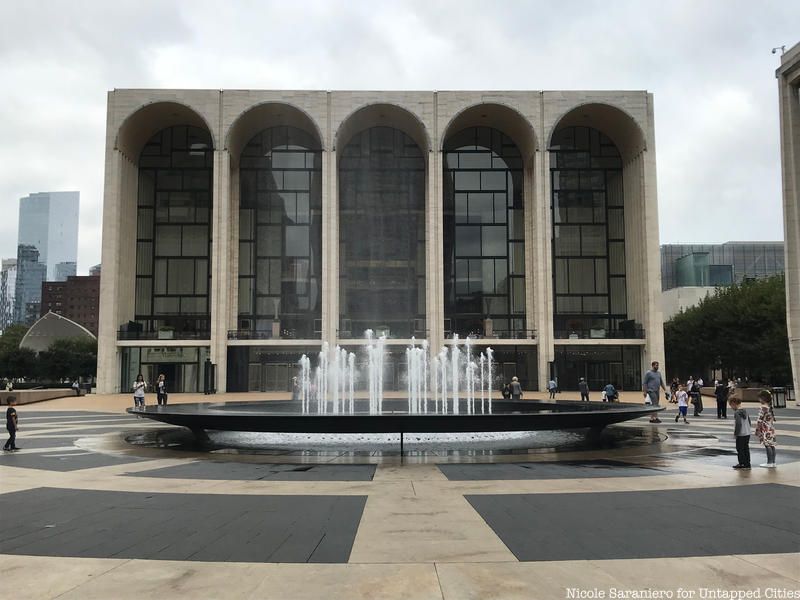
point(682, 398)
point(584, 389)
point(11, 425)
point(652, 384)
point(765, 427)
point(551, 387)
point(139, 387)
point(161, 390)
point(721, 394)
point(516, 389)
point(741, 431)
point(673, 389)
point(697, 400)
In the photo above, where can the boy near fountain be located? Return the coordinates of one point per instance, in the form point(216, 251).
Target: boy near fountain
point(683, 403)
point(741, 431)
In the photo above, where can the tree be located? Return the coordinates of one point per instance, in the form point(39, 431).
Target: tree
point(12, 364)
point(69, 358)
point(739, 329)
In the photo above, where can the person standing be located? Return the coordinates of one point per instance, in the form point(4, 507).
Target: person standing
point(697, 398)
point(610, 392)
point(161, 390)
point(516, 389)
point(765, 427)
point(139, 386)
point(652, 383)
point(551, 387)
point(584, 389)
point(683, 404)
point(506, 391)
point(11, 425)
point(721, 394)
point(76, 387)
point(741, 431)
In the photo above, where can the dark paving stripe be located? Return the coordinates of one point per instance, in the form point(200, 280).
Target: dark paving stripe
point(208, 527)
point(44, 442)
point(61, 463)
point(751, 519)
point(80, 430)
point(62, 413)
point(275, 472)
point(548, 470)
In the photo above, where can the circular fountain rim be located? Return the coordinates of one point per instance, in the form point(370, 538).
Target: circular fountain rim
point(235, 416)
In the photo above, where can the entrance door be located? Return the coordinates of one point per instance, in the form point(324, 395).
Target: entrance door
point(275, 377)
point(597, 375)
point(170, 372)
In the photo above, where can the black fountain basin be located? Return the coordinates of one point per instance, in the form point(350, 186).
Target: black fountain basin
point(287, 416)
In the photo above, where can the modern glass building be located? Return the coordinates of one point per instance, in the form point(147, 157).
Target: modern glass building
point(248, 227)
point(48, 221)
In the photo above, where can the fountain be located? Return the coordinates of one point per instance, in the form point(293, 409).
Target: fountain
point(450, 391)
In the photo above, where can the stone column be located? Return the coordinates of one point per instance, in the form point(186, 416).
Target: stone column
point(541, 271)
point(434, 252)
point(330, 248)
point(789, 100)
point(219, 293)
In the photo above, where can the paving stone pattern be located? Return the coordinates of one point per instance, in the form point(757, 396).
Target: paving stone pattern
point(548, 470)
point(753, 519)
point(197, 527)
point(249, 471)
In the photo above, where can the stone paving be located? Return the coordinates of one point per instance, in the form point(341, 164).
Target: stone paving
point(86, 515)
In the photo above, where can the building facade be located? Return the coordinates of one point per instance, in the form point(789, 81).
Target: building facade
point(48, 221)
point(248, 227)
point(31, 273)
point(690, 272)
point(8, 284)
point(788, 76)
point(77, 298)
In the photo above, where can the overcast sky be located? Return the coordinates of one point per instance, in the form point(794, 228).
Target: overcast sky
point(707, 62)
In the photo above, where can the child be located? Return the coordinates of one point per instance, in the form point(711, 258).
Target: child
point(741, 431)
point(11, 424)
point(765, 427)
point(683, 404)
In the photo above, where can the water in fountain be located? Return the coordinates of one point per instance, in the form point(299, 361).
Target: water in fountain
point(452, 379)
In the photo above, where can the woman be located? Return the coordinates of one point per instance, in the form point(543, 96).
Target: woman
point(139, 386)
point(161, 390)
point(765, 427)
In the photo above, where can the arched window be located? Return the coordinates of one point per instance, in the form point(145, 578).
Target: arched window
point(588, 234)
point(173, 236)
point(280, 234)
point(484, 234)
point(382, 235)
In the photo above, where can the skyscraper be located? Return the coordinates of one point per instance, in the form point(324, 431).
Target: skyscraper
point(48, 221)
point(8, 284)
point(30, 276)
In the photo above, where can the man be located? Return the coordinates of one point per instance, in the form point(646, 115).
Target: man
point(650, 387)
point(11, 425)
point(584, 389)
point(516, 389)
point(551, 387)
point(721, 393)
point(610, 393)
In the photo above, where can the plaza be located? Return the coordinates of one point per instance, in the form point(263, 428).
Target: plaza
point(91, 513)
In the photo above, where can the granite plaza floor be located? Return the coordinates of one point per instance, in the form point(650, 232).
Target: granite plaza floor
point(85, 514)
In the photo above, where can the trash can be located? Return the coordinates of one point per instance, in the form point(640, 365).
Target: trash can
point(779, 397)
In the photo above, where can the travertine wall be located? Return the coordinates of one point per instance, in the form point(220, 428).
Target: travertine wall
point(789, 92)
point(232, 117)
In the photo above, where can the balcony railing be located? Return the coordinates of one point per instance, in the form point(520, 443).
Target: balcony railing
point(268, 334)
point(633, 333)
point(163, 335)
point(497, 334)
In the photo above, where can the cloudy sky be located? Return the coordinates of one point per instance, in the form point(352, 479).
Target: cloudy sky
point(707, 62)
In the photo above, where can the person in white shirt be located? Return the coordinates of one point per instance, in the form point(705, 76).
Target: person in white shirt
point(683, 404)
point(139, 386)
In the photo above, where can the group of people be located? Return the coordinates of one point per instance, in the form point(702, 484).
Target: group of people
point(140, 387)
point(765, 430)
point(513, 390)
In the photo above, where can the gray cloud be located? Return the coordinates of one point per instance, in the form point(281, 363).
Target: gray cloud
point(708, 64)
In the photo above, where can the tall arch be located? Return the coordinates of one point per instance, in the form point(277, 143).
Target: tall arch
point(498, 116)
point(383, 115)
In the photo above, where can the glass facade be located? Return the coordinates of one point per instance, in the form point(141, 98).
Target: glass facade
point(280, 235)
point(588, 235)
point(599, 365)
point(484, 235)
point(719, 264)
point(173, 242)
point(264, 368)
point(382, 235)
point(181, 366)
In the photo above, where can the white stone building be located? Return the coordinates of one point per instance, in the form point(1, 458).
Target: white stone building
point(250, 226)
point(788, 76)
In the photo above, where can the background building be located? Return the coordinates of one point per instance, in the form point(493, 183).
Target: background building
point(48, 221)
point(77, 298)
point(690, 272)
point(28, 289)
point(788, 76)
point(8, 284)
point(266, 223)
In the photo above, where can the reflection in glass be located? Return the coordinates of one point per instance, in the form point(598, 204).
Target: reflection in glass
point(484, 234)
point(280, 234)
point(382, 235)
